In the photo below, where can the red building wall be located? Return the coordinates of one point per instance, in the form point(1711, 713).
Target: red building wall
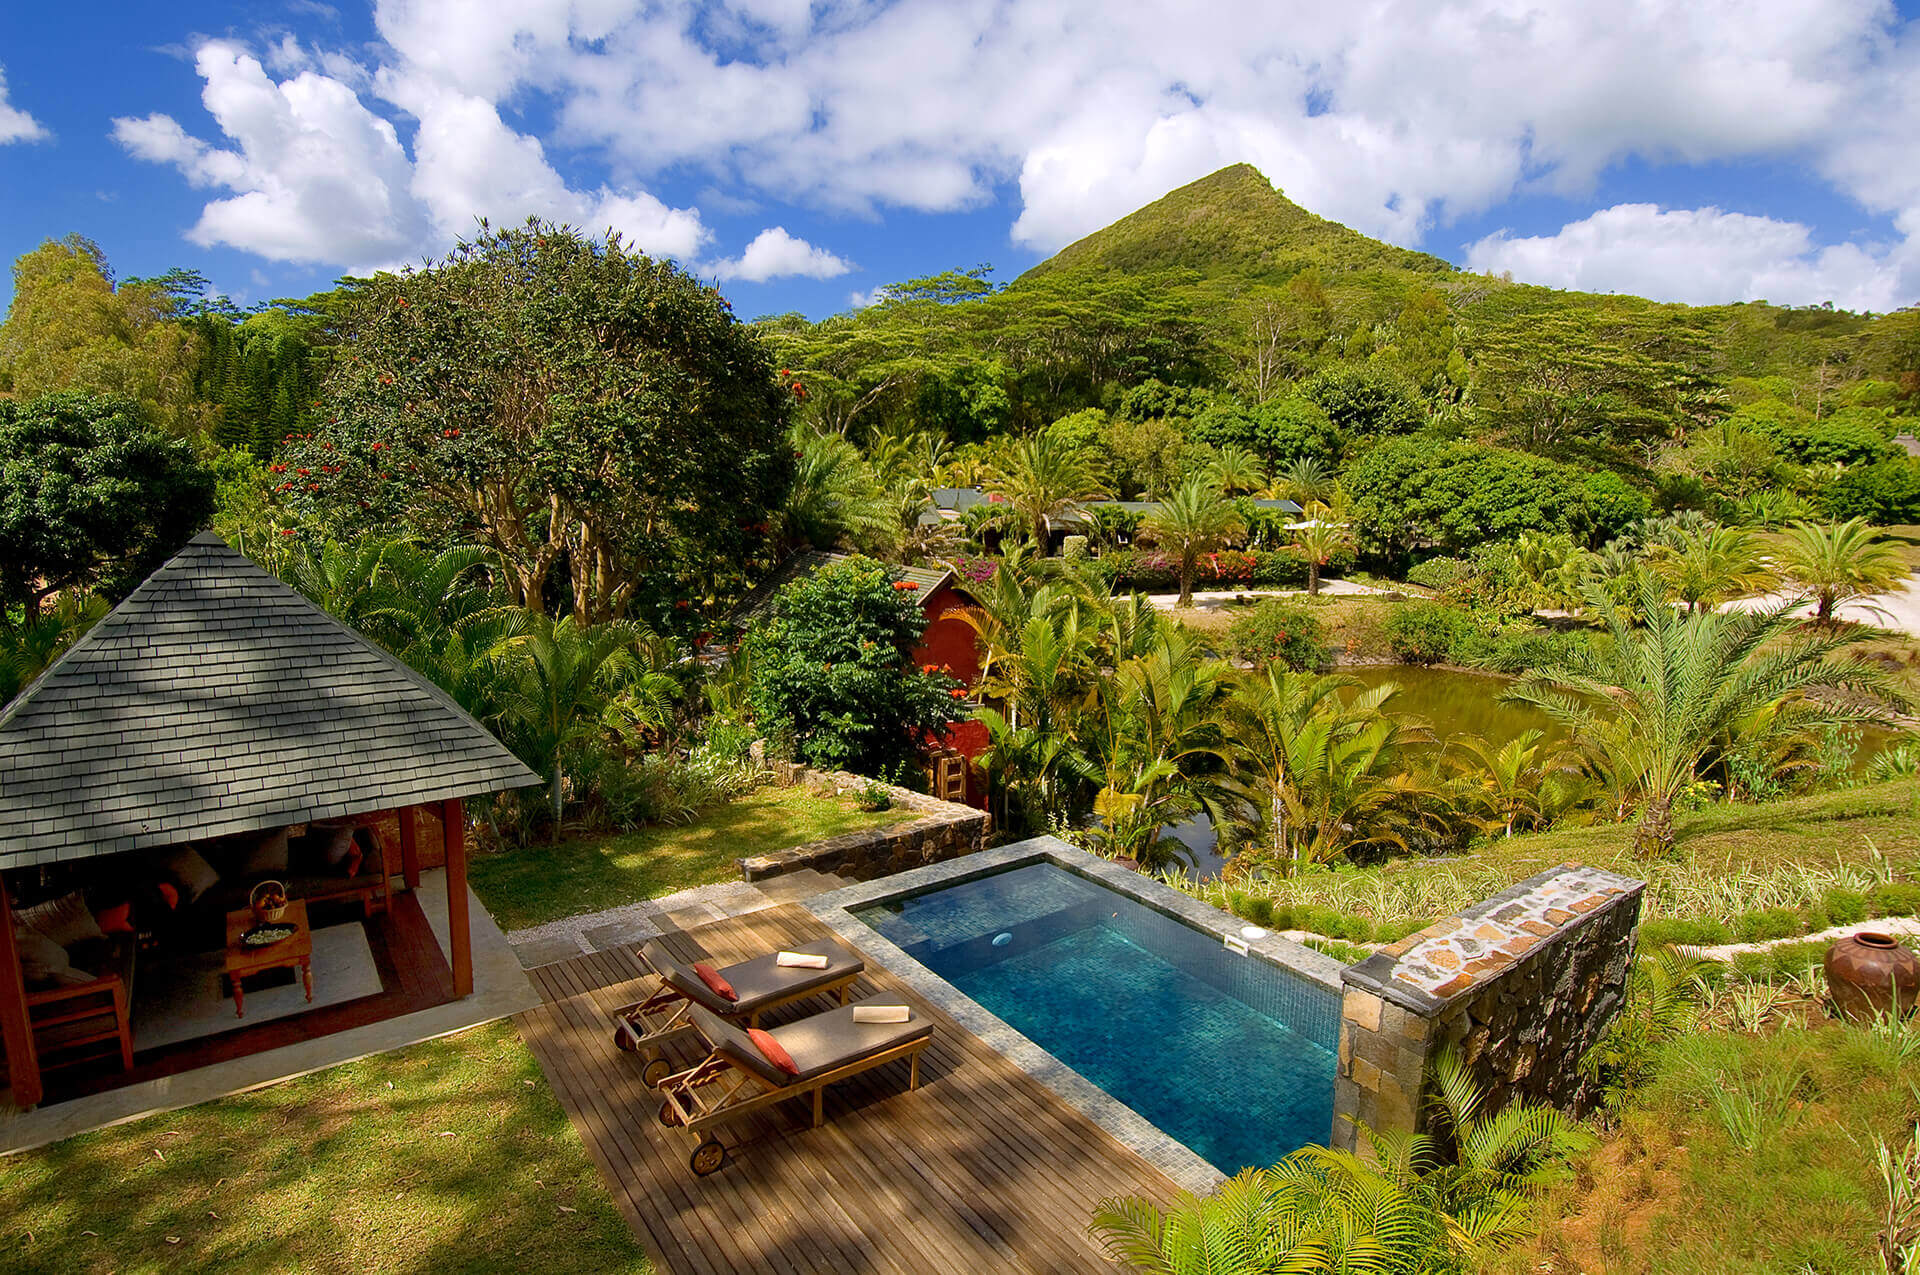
point(948, 641)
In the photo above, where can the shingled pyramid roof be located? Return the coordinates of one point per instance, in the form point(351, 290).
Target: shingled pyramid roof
point(218, 700)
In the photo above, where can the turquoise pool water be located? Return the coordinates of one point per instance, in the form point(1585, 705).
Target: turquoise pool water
point(1230, 1055)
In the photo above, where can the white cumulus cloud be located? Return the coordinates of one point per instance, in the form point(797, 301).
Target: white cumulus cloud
point(314, 175)
point(15, 124)
point(775, 254)
point(1396, 117)
point(1698, 255)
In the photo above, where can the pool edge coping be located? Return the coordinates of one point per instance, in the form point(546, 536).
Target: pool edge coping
point(1182, 1165)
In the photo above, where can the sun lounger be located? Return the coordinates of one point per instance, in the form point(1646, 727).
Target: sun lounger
point(736, 1078)
point(759, 985)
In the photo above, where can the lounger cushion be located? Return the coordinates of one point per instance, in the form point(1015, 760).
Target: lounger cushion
point(735, 1044)
point(759, 982)
point(771, 1050)
point(712, 978)
point(822, 1042)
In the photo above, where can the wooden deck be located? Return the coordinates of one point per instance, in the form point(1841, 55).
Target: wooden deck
point(980, 1169)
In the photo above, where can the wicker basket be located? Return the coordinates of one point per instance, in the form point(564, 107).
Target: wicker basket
point(264, 912)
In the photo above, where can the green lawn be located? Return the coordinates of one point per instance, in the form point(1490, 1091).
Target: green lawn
point(452, 1155)
point(1673, 1191)
point(540, 883)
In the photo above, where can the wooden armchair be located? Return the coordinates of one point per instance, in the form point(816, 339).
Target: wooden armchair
point(88, 1020)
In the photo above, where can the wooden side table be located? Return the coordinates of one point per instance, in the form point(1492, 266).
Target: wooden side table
point(294, 950)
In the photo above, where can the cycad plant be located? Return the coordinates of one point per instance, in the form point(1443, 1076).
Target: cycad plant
point(1650, 707)
point(1235, 471)
point(1708, 566)
point(836, 499)
point(1837, 563)
point(1191, 522)
point(564, 675)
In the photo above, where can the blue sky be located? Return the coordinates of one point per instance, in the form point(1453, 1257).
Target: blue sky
point(802, 155)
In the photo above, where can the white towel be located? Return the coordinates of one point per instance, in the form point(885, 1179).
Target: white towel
point(881, 1013)
point(800, 961)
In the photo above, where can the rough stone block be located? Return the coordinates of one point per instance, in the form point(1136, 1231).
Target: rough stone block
point(1361, 1008)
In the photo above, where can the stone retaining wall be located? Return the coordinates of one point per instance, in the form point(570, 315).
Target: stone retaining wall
point(942, 830)
point(1521, 986)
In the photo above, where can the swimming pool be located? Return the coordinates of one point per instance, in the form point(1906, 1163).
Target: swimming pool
point(1231, 1055)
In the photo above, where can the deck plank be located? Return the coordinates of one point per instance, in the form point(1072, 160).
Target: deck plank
point(982, 1168)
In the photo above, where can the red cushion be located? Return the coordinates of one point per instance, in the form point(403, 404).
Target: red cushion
point(711, 977)
point(169, 894)
point(117, 919)
point(767, 1045)
point(350, 866)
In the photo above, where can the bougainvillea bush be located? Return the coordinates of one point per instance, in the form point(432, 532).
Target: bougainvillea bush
point(1280, 632)
point(833, 674)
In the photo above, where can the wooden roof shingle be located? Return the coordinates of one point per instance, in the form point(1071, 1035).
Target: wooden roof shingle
point(216, 699)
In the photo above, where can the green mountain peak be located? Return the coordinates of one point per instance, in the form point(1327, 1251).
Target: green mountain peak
point(1231, 222)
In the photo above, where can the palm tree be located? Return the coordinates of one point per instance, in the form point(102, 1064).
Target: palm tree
point(1234, 470)
point(1317, 540)
point(1306, 480)
point(565, 675)
point(341, 579)
point(1039, 478)
point(1514, 783)
point(1706, 567)
point(1650, 706)
point(1837, 563)
point(1192, 521)
point(835, 500)
point(1321, 776)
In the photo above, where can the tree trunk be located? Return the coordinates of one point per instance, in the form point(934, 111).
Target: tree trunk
point(1313, 578)
point(555, 799)
point(1653, 838)
point(1186, 587)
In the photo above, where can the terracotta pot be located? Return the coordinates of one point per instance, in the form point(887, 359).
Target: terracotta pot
point(1867, 971)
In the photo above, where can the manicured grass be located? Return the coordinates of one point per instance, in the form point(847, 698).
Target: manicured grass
point(452, 1155)
point(1673, 1190)
point(540, 883)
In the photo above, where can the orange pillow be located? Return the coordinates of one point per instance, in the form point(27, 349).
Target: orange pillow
point(169, 894)
point(711, 977)
point(117, 919)
point(770, 1047)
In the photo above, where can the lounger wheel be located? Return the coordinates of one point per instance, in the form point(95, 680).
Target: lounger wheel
point(669, 1116)
point(623, 1040)
point(656, 1070)
point(707, 1157)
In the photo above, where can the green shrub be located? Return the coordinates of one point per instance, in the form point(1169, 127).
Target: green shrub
point(1429, 633)
point(1440, 574)
point(1843, 907)
point(1768, 924)
point(1666, 931)
point(833, 673)
point(1894, 899)
point(1073, 549)
point(1280, 632)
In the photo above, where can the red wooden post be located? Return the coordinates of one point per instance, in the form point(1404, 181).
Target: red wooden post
point(23, 1062)
point(409, 848)
point(453, 823)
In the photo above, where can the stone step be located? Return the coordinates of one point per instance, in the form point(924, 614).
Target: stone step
point(791, 887)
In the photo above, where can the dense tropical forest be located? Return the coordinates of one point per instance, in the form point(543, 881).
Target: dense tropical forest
point(543, 470)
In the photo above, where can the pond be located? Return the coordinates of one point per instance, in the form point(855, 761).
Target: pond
point(1451, 703)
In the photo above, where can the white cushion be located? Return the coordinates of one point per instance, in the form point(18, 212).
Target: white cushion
point(66, 920)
